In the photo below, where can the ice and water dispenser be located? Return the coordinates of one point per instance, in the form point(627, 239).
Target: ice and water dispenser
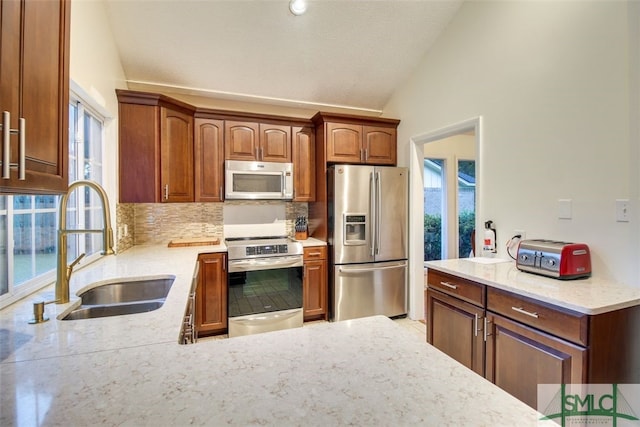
point(355, 229)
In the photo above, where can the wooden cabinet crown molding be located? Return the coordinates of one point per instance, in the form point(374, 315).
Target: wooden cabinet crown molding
point(153, 99)
point(242, 116)
point(322, 117)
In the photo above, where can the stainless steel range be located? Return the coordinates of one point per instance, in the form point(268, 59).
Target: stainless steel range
point(265, 277)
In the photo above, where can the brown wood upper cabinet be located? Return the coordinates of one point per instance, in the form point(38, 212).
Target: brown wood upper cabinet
point(209, 160)
point(356, 139)
point(304, 164)
point(349, 143)
point(257, 142)
point(34, 65)
point(155, 149)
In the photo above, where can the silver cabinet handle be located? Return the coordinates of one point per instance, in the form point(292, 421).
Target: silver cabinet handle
point(486, 329)
point(6, 147)
point(449, 285)
point(166, 192)
point(475, 325)
point(523, 311)
point(22, 124)
point(366, 154)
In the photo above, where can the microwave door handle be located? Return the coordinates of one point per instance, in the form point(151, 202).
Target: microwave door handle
point(283, 190)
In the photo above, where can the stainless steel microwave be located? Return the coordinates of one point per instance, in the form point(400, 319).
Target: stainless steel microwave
point(258, 180)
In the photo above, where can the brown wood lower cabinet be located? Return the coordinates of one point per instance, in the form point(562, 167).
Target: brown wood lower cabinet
point(519, 358)
point(211, 295)
point(519, 342)
point(315, 283)
point(461, 338)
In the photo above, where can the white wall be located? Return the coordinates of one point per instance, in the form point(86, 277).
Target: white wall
point(95, 67)
point(557, 87)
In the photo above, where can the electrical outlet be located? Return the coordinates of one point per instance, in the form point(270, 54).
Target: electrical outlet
point(119, 232)
point(522, 233)
point(126, 230)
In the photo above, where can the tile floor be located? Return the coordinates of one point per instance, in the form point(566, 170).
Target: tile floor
point(415, 326)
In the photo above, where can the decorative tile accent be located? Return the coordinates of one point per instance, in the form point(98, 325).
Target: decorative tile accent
point(158, 223)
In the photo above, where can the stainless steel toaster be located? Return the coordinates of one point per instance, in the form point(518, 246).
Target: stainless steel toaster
point(562, 260)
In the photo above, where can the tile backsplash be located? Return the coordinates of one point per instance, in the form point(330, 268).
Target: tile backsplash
point(158, 223)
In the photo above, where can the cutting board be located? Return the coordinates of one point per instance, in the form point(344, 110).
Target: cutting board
point(196, 241)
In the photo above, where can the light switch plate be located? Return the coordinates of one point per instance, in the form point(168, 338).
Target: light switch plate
point(622, 210)
point(564, 208)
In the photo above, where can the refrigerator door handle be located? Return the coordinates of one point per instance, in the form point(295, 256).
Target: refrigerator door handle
point(343, 269)
point(378, 212)
point(372, 213)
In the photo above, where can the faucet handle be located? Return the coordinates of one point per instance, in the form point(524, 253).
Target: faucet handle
point(77, 260)
point(73, 264)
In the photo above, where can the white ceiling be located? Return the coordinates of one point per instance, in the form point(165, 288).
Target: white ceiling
point(347, 53)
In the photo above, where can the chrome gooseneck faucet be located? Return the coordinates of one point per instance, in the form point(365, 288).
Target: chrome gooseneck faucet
point(63, 273)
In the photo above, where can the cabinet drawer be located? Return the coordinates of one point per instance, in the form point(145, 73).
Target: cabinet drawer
point(464, 289)
point(545, 317)
point(315, 252)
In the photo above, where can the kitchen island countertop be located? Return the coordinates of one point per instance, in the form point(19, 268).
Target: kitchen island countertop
point(367, 371)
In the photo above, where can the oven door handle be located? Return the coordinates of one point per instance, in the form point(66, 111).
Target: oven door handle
point(264, 263)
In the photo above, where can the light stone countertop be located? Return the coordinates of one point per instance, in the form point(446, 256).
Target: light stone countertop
point(22, 341)
point(364, 372)
point(312, 242)
point(589, 296)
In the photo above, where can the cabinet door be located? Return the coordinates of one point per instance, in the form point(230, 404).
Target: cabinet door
point(275, 143)
point(344, 143)
point(211, 295)
point(380, 145)
point(177, 156)
point(241, 140)
point(34, 65)
point(455, 327)
point(138, 151)
point(315, 289)
point(519, 358)
point(304, 164)
point(209, 160)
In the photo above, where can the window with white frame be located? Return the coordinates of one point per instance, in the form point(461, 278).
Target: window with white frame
point(29, 224)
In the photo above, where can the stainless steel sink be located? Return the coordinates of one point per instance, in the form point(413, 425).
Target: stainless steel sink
point(122, 297)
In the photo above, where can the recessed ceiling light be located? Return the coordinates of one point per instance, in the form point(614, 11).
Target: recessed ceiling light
point(298, 7)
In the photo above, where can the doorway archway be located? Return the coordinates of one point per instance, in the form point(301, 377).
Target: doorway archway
point(416, 208)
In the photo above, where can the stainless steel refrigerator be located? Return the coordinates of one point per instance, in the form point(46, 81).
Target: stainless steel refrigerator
point(368, 240)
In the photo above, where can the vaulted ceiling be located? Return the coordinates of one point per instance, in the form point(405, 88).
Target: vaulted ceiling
point(347, 53)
